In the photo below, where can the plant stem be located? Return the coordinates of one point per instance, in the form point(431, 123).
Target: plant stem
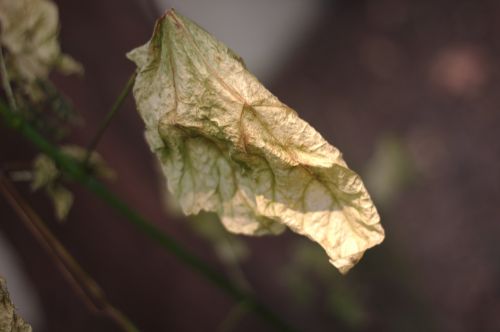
point(81, 281)
point(6, 82)
point(233, 317)
point(109, 116)
point(79, 174)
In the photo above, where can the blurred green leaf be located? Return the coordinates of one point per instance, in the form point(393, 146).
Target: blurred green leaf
point(231, 250)
point(389, 170)
point(46, 175)
point(227, 246)
point(62, 199)
point(337, 295)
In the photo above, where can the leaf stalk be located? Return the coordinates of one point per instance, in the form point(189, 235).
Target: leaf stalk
point(109, 117)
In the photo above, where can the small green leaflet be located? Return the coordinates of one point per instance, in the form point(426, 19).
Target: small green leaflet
point(46, 175)
point(227, 145)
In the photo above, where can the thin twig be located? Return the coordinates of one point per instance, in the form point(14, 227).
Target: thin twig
point(79, 173)
point(6, 82)
point(13, 198)
point(107, 120)
point(83, 284)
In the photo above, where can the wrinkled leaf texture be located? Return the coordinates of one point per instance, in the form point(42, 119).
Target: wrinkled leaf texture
point(227, 145)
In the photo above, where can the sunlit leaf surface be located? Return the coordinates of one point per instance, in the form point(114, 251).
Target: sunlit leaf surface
point(227, 145)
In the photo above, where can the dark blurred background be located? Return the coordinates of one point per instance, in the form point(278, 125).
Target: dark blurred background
point(407, 90)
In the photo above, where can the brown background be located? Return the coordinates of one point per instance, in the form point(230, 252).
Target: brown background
point(425, 72)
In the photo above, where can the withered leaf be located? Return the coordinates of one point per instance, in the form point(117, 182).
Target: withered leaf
point(29, 33)
point(227, 145)
point(9, 319)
